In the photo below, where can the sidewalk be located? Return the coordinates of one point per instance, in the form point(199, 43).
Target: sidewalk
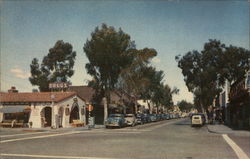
point(223, 129)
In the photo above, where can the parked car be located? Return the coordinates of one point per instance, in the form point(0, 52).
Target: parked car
point(147, 118)
point(130, 119)
point(158, 117)
point(167, 116)
point(153, 117)
point(140, 119)
point(171, 116)
point(163, 117)
point(115, 120)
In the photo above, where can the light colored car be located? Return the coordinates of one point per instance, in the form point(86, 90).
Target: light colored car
point(115, 120)
point(196, 120)
point(130, 119)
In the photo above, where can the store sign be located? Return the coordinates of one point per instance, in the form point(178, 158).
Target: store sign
point(58, 85)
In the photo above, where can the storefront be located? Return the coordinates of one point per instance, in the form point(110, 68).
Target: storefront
point(239, 106)
point(46, 109)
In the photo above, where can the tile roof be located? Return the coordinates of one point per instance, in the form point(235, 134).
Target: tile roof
point(35, 97)
point(87, 93)
point(84, 92)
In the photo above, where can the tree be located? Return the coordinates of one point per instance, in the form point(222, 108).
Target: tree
point(132, 78)
point(185, 106)
point(108, 53)
point(57, 64)
point(205, 72)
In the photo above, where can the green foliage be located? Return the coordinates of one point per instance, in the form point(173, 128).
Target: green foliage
point(185, 106)
point(205, 72)
point(132, 78)
point(108, 53)
point(115, 63)
point(57, 64)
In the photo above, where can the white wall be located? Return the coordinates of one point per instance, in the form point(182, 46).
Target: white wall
point(1, 114)
point(68, 104)
point(35, 116)
point(145, 104)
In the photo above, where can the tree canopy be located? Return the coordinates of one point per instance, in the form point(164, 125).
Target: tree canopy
point(108, 53)
point(115, 63)
point(185, 106)
point(57, 64)
point(206, 72)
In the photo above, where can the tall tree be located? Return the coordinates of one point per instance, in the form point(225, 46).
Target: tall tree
point(108, 53)
point(205, 72)
point(57, 64)
point(132, 78)
point(185, 106)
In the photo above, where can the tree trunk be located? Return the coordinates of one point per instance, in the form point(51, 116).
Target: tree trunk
point(149, 107)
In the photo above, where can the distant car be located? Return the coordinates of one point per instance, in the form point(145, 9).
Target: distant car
point(140, 119)
point(158, 117)
point(198, 119)
point(115, 120)
point(171, 116)
point(146, 118)
point(130, 119)
point(167, 116)
point(153, 117)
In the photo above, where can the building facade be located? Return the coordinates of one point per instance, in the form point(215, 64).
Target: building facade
point(42, 109)
point(239, 106)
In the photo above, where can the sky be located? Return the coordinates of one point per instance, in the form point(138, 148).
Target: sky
point(28, 29)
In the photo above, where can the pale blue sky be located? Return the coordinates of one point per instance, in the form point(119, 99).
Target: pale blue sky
point(30, 28)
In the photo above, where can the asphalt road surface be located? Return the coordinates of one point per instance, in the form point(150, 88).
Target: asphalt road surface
point(171, 139)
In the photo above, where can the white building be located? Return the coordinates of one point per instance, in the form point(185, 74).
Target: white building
point(42, 109)
point(146, 105)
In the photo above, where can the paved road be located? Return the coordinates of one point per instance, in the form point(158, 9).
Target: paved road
point(172, 139)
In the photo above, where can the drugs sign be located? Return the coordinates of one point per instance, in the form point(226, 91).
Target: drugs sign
point(58, 85)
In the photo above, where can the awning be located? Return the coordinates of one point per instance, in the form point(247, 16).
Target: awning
point(14, 109)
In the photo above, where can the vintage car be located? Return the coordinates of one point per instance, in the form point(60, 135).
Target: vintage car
point(198, 119)
point(115, 120)
point(140, 119)
point(153, 117)
point(130, 119)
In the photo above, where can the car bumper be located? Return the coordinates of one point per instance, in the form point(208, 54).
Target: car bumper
point(112, 124)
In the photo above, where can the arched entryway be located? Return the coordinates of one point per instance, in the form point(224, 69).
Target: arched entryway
point(74, 114)
point(60, 116)
point(46, 117)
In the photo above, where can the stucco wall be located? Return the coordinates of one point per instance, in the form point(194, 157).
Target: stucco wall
point(35, 116)
point(1, 114)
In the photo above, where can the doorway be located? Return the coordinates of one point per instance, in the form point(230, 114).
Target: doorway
point(47, 116)
point(74, 114)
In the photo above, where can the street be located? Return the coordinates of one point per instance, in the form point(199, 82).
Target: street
point(164, 140)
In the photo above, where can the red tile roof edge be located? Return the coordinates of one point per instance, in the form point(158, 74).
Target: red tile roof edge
point(35, 97)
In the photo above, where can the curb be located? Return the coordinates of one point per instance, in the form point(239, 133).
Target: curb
point(214, 132)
